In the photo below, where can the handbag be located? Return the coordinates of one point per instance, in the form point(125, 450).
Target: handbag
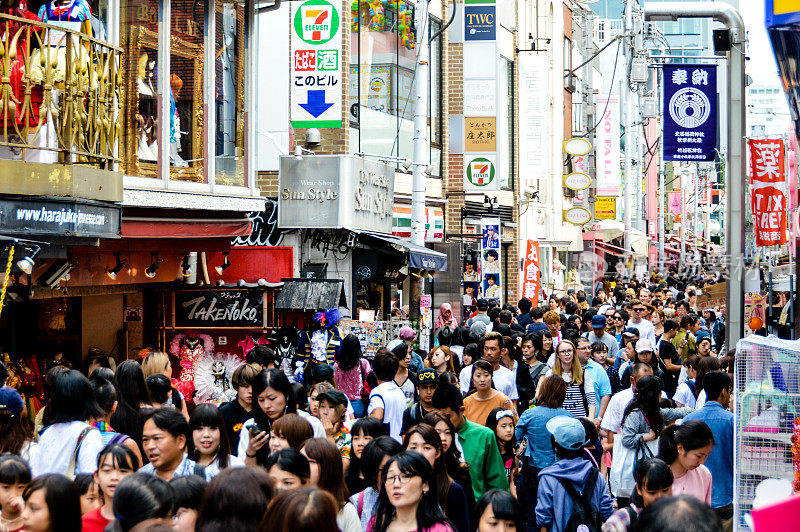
point(624, 461)
point(73, 462)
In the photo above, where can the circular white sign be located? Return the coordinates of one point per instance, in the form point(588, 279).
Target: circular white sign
point(577, 181)
point(577, 146)
point(689, 107)
point(577, 216)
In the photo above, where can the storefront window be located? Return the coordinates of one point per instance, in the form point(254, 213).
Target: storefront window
point(383, 60)
point(229, 93)
point(185, 127)
point(140, 113)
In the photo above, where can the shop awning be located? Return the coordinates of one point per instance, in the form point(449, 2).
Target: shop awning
point(311, 294)
point(184, 228)
point(418, 256)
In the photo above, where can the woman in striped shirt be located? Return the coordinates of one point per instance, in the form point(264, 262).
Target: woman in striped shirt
point(580, 400)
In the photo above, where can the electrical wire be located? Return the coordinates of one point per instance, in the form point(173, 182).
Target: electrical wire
point(610, 90)
point(598, 52)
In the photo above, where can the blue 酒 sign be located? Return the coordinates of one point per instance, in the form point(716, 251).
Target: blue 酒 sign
point(479, 23)
point(690, 112)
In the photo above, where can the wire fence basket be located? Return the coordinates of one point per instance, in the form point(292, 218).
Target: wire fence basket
point(766, 403)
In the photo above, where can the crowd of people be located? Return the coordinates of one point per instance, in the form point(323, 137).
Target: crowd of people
point(607, 411)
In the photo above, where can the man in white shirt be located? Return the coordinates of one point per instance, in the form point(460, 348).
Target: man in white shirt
point(387, 401)
point(645, 327)
point(503, 378)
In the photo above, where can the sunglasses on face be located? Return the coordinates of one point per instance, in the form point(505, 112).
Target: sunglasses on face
point(638, 310)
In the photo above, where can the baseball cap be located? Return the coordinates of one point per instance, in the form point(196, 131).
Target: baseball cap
point(428, 376)
point(702, 335)
point(336, 397)
point(568, 432)
point(630, 331)
point(644, 345)
point(477, 329)
point(322, 372)
point(482, 304)
point(598, 321)
point(10, 401)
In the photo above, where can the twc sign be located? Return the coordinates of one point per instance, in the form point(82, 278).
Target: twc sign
point(479, 23)
point(316, 90)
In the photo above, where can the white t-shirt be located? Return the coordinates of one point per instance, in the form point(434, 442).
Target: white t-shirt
point(347, 519)
point(244, 435)
point(503, 378)
point(390, 397)
point(646, 330)
point(684, 395)
point(57, 443)
point(701, 400)
point(408, 389)
point(212, 469)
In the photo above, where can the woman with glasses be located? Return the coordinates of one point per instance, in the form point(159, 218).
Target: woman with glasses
point(408, 500)
point(580, 400)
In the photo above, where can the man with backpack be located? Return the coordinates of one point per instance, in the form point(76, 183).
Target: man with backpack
point(572, 494)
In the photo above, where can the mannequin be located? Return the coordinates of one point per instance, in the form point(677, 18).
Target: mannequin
point(321, 342)
point(212, 378)
point(252, 339)
point(286, 340)
point(189, 348)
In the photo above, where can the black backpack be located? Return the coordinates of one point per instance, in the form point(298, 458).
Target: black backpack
point(585, 517)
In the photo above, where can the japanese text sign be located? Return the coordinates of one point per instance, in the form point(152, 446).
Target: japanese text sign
point(316, 82)
point(480, 134)
point(767, 191)
point(605, 208)
point(690, 112)
point(532, 280)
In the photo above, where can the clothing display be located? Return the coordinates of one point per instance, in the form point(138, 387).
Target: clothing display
point(189, 348)
point(212, 378)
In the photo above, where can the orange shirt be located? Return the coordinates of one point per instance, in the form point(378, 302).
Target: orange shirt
point(477, 410)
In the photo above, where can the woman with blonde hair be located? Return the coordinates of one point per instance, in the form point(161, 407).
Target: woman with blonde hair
point(580, 400)
point(158, 363)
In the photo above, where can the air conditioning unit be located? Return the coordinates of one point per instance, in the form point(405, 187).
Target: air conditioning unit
point(570, 82)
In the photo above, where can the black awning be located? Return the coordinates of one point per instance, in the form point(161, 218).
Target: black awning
point(418, 256)
point(311, 294)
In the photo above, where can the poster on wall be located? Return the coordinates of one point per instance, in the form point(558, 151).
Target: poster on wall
point(490, 259)
point(768, 191)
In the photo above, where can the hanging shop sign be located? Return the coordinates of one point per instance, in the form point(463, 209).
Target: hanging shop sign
point(480, 134)
point(674, 199)
point(335, 192)
point(434, 222)
point(607, 152)
point(605, 208)
point(690, 112)
point(219, 308)
point(480, 173)
point(577, 216)
point(577, 181)
point(490, 260)
point(479, 23)
point(532, 280)
point(71, 218)
point(768, 191)
point(577, 146)
point(316, 82)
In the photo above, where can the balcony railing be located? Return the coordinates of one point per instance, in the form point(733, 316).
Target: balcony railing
point(59, 95)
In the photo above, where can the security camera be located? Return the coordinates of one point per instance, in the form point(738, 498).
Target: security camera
point(531, 192)
point(313, 137)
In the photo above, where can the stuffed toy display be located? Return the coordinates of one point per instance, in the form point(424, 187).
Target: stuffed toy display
point(189, 348)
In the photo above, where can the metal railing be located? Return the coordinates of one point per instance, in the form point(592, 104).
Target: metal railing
point(59, 95)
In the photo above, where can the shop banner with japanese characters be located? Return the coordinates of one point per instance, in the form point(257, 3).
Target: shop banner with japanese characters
point(532, 282)
point(768, 191)
point(316, 82)
point(491, 254)
point(690, 112)
point(609, 178)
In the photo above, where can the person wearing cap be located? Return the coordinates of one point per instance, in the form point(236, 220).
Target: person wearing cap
point(554, 503)
point(703, 344)
point(483, 307)
point(599, 334)
point(408, 335)
point(332, 411)
point(646, 354)
point(646, 328)
point(15, 433)
point(427, 381)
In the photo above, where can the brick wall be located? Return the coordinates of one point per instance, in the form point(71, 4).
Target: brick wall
point(454, 163)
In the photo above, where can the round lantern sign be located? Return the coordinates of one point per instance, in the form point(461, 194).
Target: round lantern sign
point(577, 146)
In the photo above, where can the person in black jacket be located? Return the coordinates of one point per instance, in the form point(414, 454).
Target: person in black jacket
point(511, 357)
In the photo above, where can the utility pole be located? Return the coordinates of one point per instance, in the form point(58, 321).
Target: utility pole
point(734, 170)
point(422, 147)
point(625, 92)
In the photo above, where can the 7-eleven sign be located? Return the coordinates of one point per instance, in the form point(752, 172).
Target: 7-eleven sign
point(480, 174)
point(316, 22)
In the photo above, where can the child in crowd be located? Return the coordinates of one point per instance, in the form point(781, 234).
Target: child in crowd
point(332, 410)
point(14, 476)
point(686, 394)
point(501, 422)
point(114, 463)
point(653, 481)
point(187, 494)
point(90, 496)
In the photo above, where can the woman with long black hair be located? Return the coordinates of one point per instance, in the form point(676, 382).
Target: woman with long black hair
point(209, 445)
point(52, 504)
point(132, 396)
point(457, 468)
point(350, 370)
point(274, 397)
point(642, 425)
point(542, 345)
point(407, 499)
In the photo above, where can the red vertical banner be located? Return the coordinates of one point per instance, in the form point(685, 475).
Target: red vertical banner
point(532, 283)
point(767, 191)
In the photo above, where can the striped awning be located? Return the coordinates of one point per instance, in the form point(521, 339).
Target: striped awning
point(434, 222)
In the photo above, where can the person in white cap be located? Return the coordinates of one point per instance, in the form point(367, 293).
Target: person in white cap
point(646, 354)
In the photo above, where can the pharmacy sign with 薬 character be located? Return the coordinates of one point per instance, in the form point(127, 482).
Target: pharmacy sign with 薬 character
point(690, 112)
point(316, 82)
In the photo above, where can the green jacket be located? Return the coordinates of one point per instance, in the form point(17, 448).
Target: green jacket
point(486, 467)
